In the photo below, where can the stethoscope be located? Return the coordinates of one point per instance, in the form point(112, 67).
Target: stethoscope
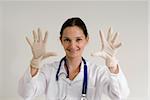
point(85, 79)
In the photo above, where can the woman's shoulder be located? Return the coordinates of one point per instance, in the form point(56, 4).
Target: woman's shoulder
point(49, 67)
point(95, 66)
point(51, 64)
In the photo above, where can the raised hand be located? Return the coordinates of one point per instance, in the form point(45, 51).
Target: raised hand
point(38, 47)
point(109, 48)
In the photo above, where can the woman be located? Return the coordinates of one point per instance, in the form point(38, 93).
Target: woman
point(73, 77)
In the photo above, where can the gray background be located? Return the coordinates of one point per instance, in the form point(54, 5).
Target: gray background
point(129, 18)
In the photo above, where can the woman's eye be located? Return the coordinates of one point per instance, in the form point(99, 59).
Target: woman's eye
point(66, 40)
point(78, 40)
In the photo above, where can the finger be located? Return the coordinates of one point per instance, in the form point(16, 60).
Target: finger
point(39, 35)
point(34, 36)
point(29, 41)
point(46, 36)
point(99, 54)
point(114, 38)
point(109, 34)
point(118, 45)
point(49, 54)
point(102, 38)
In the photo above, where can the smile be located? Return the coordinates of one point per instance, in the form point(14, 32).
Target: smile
point(73, 51)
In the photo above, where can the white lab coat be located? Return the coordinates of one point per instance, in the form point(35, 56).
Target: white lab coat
point(100, 81)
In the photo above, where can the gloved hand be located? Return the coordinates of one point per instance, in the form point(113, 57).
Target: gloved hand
point(109, 49)
point(39, 48)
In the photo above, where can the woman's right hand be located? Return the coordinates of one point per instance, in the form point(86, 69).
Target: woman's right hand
point(38, 47)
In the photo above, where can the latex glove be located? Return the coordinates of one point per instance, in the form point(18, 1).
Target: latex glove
point(109, 48)
point(39, 48)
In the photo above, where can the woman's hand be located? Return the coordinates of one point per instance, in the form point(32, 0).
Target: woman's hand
point(109, 50)
point(38, 47)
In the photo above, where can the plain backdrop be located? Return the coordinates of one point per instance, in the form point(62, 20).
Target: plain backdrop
point(129, 18)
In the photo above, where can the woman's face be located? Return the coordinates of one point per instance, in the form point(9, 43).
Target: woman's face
point(73, 41)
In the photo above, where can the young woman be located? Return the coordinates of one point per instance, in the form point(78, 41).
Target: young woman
point(73, 77)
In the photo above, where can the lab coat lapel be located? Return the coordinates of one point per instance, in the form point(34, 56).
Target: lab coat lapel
point(80, 75)
point(62, 70)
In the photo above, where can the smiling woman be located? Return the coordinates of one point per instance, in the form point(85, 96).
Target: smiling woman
point(73, 77)
point(18, 19)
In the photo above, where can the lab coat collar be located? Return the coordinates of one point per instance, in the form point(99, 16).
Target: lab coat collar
point(62, 69)
point(63, 72)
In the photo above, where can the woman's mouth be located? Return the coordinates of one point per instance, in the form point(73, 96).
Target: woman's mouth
point(73, 51)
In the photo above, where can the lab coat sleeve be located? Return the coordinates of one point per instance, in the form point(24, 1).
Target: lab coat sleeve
point(115, 85)
point(30, 87)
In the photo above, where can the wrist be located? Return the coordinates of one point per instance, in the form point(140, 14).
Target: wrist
point(114, 69)
point(35, 62)
point(112, 64)
point(33, 71)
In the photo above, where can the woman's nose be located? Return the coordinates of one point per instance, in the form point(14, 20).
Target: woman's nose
point(73, 44)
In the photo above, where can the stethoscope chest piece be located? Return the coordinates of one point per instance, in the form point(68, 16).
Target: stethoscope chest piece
point(83, 97)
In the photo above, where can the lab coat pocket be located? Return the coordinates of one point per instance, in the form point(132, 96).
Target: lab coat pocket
point(91, 93)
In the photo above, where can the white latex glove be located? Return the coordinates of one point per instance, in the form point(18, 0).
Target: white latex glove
point(39, 48)
point(109, 49)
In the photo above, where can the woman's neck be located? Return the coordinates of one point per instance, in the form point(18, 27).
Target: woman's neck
point(73, 66)
point(73, 62)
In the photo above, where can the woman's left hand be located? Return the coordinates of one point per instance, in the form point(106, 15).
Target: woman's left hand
point(109, 50)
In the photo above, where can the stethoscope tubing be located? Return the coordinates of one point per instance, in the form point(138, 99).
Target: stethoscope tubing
point(85, 78)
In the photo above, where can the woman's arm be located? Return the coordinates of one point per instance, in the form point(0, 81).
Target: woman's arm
point(33, 81)
point(115, 85)
point(31, 86)
point(113, 81)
